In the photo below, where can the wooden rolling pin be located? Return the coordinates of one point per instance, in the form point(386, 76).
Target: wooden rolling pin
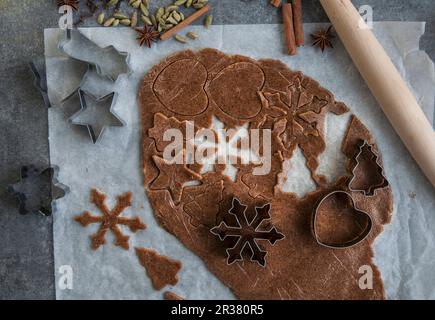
point(385, 82)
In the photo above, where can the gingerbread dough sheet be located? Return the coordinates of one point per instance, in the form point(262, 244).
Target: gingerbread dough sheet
point(115, 166)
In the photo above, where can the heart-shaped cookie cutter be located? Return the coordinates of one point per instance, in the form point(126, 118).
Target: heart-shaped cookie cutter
point(360, 238)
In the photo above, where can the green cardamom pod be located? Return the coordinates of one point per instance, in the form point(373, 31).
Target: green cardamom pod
point(100, 18)
point(109, 22)
point(125, 22)
point(146, 20)
point(180, 38)
point(144, 10)
point(208, 21)
point(134, 19)
point(192, 35)
point(180, 2)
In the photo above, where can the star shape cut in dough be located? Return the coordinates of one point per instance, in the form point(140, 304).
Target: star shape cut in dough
point(173, 177)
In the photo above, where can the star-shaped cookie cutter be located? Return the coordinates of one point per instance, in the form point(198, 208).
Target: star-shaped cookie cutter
point(34, 183)
point(108, 61)
point(109, 99)
point(40, 80)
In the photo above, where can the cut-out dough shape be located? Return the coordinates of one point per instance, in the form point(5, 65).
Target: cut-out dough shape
point(160, 269)
point(110, 220)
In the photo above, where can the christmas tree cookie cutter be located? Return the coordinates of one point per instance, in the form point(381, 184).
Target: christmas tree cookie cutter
point(352, 242)
point(94, 120)
point(371, 190)
point(108, 61)
point(37, 190)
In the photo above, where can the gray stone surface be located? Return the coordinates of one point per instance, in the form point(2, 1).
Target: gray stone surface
point(26, 261)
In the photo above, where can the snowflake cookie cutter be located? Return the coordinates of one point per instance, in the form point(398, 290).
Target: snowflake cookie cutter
point(351, 243)
point(108, 61)
point(97, 129)
point(247, 233)
point(370, 192)
point(37, 190)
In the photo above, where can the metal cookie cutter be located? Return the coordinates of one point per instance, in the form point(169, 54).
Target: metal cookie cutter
point(247, 233)
point(38, 189)
point(92, 116)
point(40, 82)
point(109, 62)
point(351, 243)
point(371, 189)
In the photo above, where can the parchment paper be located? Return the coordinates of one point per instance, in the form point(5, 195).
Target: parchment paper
point(405, 251)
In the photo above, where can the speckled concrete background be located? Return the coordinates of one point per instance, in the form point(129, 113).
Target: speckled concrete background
point(26, 253)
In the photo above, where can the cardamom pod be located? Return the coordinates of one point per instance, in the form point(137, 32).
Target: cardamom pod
point(134, 19)
point(188, 3)
point(125, 22)
point(101, 17)
point(109, 22)
point(146, 20)
point(169, 9)
point(160, 13)
point(136, 4)
point(180, 38)
point(112, 3)
point(161, 21)
point(146, 3)
point(115, 23)
point(154, 21)
point(208, 21)
point(192, 35)
point(180, 2)
point(144, 10)
point(198, 5)
point(176, 16)
point(171, 20)
point(119, 15)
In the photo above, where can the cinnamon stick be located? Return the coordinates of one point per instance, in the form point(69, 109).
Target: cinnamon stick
point(297, 23)
point(287, 14)
point(275, 3)
point(168, 34)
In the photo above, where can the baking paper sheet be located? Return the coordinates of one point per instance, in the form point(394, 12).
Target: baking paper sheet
point(404, 252)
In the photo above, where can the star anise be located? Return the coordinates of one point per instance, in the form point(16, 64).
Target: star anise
point(147, 35)
point(74, 4)
point(323, 38)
